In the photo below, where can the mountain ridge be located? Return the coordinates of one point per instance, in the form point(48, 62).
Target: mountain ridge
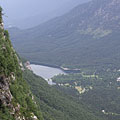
point(36, 15)
point(76, 38)
point(25, 96)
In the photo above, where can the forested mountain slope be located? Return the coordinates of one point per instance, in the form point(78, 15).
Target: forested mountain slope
point(56, 105)
point(86, 36)
point(16, 100)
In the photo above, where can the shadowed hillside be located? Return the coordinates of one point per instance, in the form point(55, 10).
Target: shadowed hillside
point(88, 35)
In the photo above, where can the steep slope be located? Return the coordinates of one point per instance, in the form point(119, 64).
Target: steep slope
point(16, 99)
point(57, 105)
point(88, 35)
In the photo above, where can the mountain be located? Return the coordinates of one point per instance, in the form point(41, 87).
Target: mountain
point(25, 96)
point(56, 105)
point(86, 36)
point(16, 100)
point(36, 13)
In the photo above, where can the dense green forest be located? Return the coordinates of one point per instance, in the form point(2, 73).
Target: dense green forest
point(56, 105)
point(100, 90)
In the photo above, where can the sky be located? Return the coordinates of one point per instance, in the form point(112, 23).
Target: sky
point(25, 7)
point(19, 10)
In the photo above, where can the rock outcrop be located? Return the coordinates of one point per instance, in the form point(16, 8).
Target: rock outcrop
point(16, 99)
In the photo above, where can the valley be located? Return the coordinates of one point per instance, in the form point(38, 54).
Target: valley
point(74, 68)
point(89, 87)
point(99, 90)
point(81, 38)
point(56, 104)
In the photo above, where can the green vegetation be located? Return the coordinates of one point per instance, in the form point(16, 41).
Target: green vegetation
point(5, 114)
point(100, 91)
point(55, 104)
point(87, 40)
point(97, 33)
point(11, 80)
point(83, 39)
point(0, 15)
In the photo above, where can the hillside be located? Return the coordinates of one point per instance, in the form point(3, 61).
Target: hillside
point(86, 36)
point(99, 91)
point(16, 100)
point(56, 105)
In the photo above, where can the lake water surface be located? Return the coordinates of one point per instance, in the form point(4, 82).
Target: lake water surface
point(45, 71)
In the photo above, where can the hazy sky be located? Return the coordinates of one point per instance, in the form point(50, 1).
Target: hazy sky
point(25, 7)
point(19, 11)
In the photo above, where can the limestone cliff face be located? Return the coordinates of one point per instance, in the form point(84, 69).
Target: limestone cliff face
point(16, 100)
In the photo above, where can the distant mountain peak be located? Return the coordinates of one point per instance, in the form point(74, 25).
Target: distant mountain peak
point(81, 35)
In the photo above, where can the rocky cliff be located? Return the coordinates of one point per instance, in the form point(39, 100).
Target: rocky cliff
point(16, 100)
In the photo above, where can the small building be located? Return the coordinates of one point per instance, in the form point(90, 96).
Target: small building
point(103, 111)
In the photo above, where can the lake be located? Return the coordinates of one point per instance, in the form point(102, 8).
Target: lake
point(46, 72)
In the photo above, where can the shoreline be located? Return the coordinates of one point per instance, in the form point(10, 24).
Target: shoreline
point(66, 70)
